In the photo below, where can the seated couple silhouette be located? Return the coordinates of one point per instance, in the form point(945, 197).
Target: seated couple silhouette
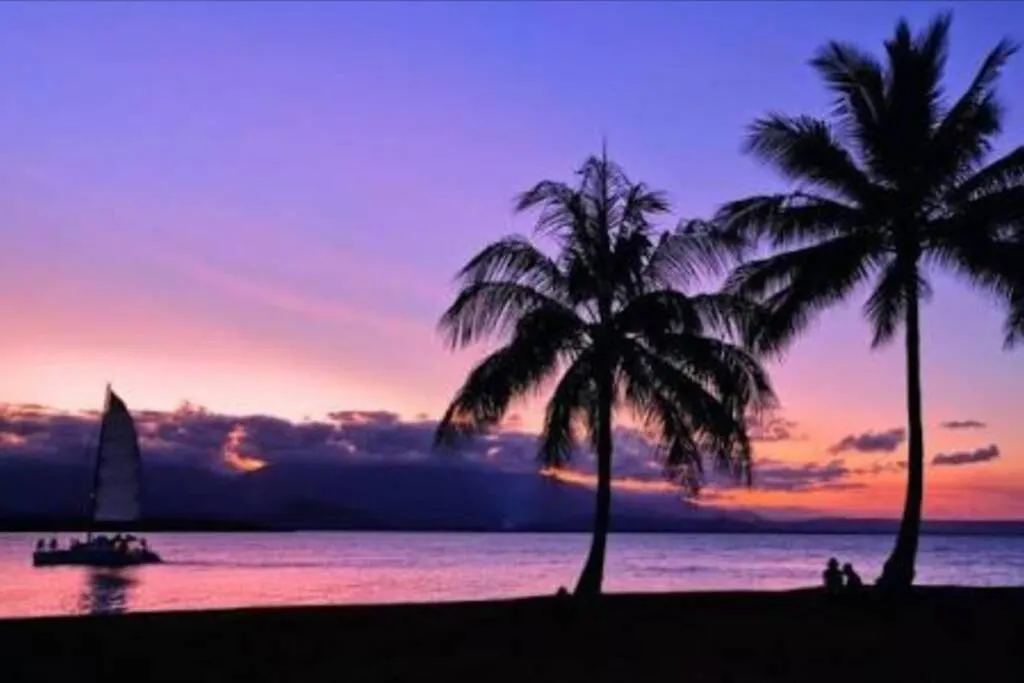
point(834, 578)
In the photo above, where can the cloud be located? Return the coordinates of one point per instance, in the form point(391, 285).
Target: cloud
point(774, 475)
point(232, 445)
point(984, 454)
point(772, 428)
point(234, 452)
point(800, 477)
point(878, 468)
point(963, 424)
point(292, 301)
point(870, 442)
point(194, 436)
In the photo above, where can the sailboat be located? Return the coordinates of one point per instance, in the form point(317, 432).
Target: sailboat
point(114, 498)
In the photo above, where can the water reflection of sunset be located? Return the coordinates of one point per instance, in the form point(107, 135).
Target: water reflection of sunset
point(106, 591)
point(215, 571)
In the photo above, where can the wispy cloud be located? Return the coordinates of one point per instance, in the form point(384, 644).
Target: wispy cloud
point(777, 475)
point(963, 424)
point(284, 299)
point(984, 454)
point(870, 442)
point(773, 428)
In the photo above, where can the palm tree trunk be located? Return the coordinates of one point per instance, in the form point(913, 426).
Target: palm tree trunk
point(589, 584)
point(898, 573)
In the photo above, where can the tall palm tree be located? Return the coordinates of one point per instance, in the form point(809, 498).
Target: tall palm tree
point(892, 186)
point(600, 323)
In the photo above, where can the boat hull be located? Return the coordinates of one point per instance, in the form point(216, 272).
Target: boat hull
point(93, 557)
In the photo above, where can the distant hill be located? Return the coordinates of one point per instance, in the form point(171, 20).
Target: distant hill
point(416, 496)
point(53, 524)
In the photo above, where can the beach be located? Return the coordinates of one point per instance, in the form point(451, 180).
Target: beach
point(936, 634)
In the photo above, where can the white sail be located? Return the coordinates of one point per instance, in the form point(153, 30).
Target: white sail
point(116, 485)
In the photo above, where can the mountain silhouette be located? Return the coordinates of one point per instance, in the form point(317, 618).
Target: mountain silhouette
point(427, 495)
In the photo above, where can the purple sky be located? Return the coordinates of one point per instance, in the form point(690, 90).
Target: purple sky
point(259, 207)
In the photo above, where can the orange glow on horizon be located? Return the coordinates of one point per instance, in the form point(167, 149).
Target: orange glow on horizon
point(619, 483)
point(233, 456)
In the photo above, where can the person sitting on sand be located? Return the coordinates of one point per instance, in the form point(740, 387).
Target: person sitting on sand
point(853, 582)
point(832, 576)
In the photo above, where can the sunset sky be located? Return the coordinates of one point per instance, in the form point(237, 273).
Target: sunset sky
point(259, 207)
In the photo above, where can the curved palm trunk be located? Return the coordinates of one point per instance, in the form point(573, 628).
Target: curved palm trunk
point(898, 573)
point(591, 577)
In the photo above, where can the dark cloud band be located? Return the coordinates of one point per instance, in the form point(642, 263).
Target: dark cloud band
point(984, 454)
point(870, 442)
point(962, 424)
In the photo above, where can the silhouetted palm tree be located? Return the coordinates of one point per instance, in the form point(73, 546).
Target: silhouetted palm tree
point(601, 323)
point(893, 185)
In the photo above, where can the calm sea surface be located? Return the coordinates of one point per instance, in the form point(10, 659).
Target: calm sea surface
point(205, 571)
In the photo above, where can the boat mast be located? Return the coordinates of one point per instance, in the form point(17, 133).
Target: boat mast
point(96, 467)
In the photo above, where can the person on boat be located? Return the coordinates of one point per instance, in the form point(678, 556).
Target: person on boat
point(53, 544)
point(853, 581)
point(833, 578)
point(144, 545)
point(40, 545)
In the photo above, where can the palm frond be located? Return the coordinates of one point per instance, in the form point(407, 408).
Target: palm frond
point(1013, 328)
point(535, 353)
point(695, 251)
point(887, 304)
point(995, 215)
point(676, 401)
point(573, 398)
point(564, 212)
point(790, 219)
point(658, 312)
point(544, 193)
point(795, 286)
point(858, 82)
point(628, 263)
point(835, 266)
point(731, 316)
point(515, 259)
point(963, 139)
point(488, 309)
point(639, 202)
point(682, 457)
point(804, 149)
point(726, 370)
point(914, 87)
point(1005, 173)
point(991, 265)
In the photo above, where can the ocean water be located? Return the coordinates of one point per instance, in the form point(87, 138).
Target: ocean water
point(205, 571)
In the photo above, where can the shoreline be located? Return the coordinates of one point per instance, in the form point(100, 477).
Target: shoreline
point(1013, 529)
point(937, 633)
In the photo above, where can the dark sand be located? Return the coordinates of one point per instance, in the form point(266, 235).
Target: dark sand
point(962, 635)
